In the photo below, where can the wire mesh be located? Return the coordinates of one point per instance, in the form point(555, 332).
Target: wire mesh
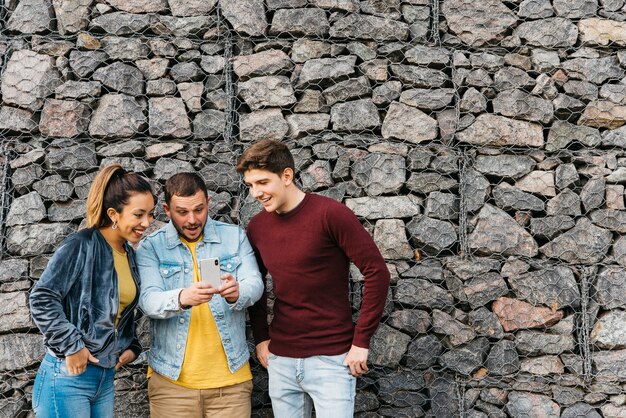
point(480, 143)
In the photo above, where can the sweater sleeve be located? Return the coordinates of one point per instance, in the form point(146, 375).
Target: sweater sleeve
point(258, 311)
point(360, 248)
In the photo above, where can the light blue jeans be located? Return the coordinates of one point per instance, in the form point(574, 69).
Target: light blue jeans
point(57, 394)
point(296, 384)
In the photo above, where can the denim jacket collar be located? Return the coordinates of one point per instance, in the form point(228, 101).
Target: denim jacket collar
point(209, 234)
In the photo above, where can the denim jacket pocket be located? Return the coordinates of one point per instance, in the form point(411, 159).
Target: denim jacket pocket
point(170, 272)
point(230, 264)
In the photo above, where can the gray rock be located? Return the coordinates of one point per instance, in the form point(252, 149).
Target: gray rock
point(466, 359)
point(267, 123)
point(550, 226)
point(580, 409)
point(23, 177)
point(121, 23)
point(485, 323)
point(419, 77)
point(407, 123)
point(608, 332)
point(603, 114)
point(54, 188)
point(582, 90)
point(72, 211)
point(385, 207)
point(553, 32)
point(30, 240)
point(184, 72)
point(27, 209)
point(161, 87)
point(388, 346)
point(268, 62)
point(117, 116)
point(508, 197)
point(521, 105)
point(532, 343)
point(386, 92)
point(411, 321)
point(538, 181)
point(184, 27)
point(220, 176)
point(565, 203)
point(431, 234)
point(379, 173)
point(267, 91)
point(421, 294)
point(317, 176)
point(84, 63)
point(67, 156)
point(357, 115)
point(594, 70)
point(502, 359)
point(120, 48)
point(496, 130)
point(478, 24)
point(345, 5)
point(610, 366)
point(167, 167)
point(168, 117)
point(498, 233)
point(212, 64)
point(566, 176)
point(401, 389)
point(481, 290)
point(353, 88)
point(592, 194)
point(191, 7)
point(445, 402)
point(610, 219)
point(535, 9)
point(121, 77)
point(426, 183)
point(306, 124)
point(475, 189)
point(616, 93)
point(609, 284)
point(140, 6)
point(619, 251)
point(361, 50)
point(28, 78)
point(64, 118)
point(610, 410)
point(323, 71)
point(209, 124)
point(78, 90)
point(553, 287)
point(442, 206)
point(303, 50)
point(544, 60)
point(512, 166)
point(390, 237)
point(617, 176)
point(358, 26)
point(32, 16)
point(13, 269)
point(300, 22)
point(509, 78)
point(522, 404)
point(20, 350)
point(246, 16)
point(427, 99)
point(192, 95)
point(466, 268)
point(473, 101)
point(13, 119)
point(565, 106)
point(575, 9)
point(14, 311)
point(583, 244)
point(565, 396)
point(154, 68)
point(563, 133)
point(423, 352)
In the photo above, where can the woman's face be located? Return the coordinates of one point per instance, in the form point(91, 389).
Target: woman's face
point(135, 217)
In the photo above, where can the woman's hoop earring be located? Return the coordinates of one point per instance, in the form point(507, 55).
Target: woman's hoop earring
point(114, 226)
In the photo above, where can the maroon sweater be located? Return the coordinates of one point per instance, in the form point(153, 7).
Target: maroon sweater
point(307, 251)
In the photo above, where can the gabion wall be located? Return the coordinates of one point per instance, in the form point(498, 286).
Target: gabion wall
point(481, 142)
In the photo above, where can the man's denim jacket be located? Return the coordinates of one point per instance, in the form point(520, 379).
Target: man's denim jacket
point(166, 267)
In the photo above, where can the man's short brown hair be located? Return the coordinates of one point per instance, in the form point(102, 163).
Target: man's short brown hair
point(266, 154)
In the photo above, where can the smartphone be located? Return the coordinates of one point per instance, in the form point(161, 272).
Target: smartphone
point(210, 272)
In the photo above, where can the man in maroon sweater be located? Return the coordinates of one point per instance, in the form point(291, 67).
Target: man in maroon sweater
point(312, 349)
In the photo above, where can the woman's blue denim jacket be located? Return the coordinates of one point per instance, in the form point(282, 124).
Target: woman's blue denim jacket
point(75, 302)
point(166, 267)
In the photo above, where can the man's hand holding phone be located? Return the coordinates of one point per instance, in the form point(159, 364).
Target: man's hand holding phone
point(196, 294)
point(229, 289)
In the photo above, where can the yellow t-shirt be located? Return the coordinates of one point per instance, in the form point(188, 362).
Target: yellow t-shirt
point(205, 365)
point(127, 289)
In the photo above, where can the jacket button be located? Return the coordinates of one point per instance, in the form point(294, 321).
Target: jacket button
point(186, 270)
point(182, 320)
point(228, 266)
point(178, 346)
point(165, 271)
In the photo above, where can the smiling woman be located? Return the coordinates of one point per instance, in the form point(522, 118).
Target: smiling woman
point(73, 295)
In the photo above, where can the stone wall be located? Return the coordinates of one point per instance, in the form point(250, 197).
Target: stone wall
point(480, 142)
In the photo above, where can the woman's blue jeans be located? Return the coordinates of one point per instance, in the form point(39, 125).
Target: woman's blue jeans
point(57, 394)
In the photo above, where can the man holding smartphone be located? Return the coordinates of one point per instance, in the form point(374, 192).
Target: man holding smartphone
point(312, 349)
point(199, 357)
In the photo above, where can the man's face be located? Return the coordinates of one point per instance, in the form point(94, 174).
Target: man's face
point(188, 214)
point(269, 188)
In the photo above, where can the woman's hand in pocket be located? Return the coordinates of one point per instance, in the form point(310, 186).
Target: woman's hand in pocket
point(125, 358)
point(77, 363)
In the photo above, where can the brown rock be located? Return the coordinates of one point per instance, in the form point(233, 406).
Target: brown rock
point(515, 314)
point(64, 118)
